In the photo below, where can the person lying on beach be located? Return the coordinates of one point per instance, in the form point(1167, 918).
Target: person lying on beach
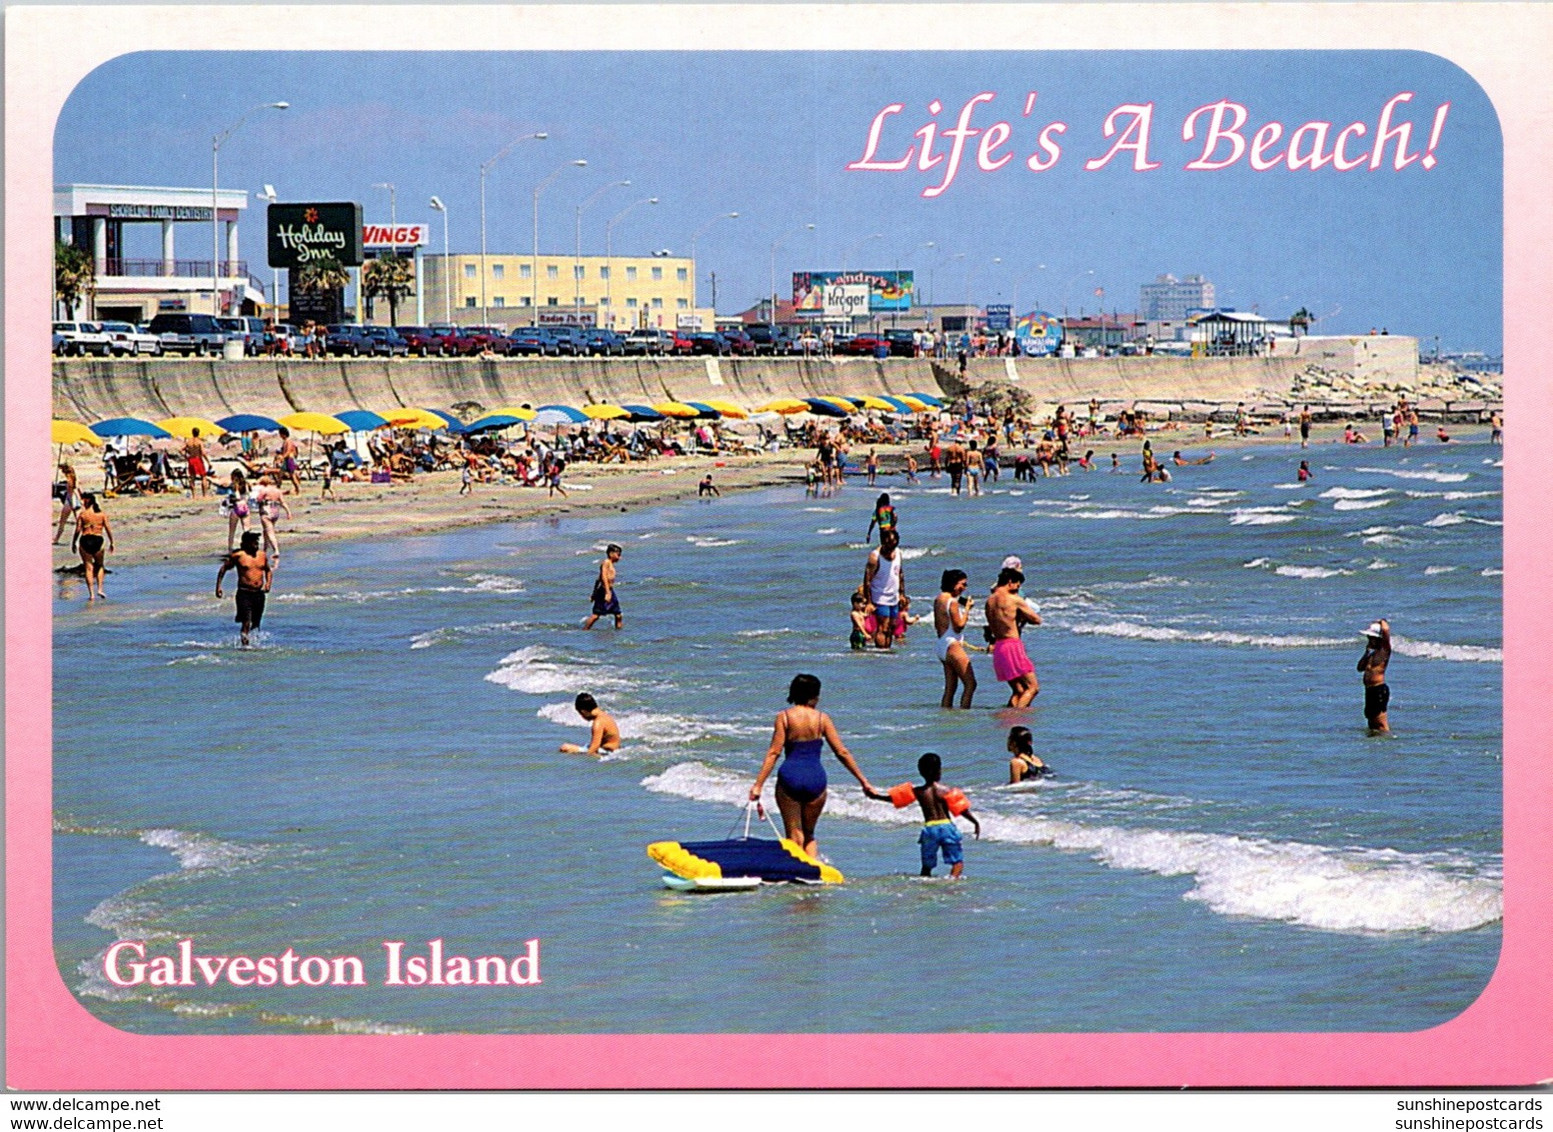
point(606, 732)
point(1025, 763)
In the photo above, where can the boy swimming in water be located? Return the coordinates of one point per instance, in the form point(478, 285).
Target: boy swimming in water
point(938, 831)
point(606, 733)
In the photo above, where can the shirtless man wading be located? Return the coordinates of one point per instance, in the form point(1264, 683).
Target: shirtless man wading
point(1372, 665)
point(1007, 614)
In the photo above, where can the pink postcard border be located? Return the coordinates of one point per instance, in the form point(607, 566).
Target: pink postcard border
point(1505, 1038)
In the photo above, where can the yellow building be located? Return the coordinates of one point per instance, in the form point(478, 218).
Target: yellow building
point(619, 292)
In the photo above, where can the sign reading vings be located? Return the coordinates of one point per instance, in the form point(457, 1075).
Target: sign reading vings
point(300, 234)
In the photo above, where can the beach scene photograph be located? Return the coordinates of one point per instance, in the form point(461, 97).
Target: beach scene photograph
point(777, 542)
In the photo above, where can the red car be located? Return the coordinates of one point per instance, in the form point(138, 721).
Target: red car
point(678, 342)
point(738, 341)
point(866, 345)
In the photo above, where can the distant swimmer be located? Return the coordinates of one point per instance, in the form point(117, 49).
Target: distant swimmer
point(1372, 665)
point(1441, 435)
point(1025, 763)
point(606, 733)
point(884, 580)
point(799, 734)
point(940, 805)
point(951, 610)
point(91, 527)
point(1007, 614)
point(606, 602)
point(884, 517)
point(1180, 461)
point(707, 487)
point(1305, 473)
point(253, 582)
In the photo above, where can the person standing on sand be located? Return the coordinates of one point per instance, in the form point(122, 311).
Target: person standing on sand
point(872, 466)
point(199, 467)
point(884, 581)
point(68, 492)
point(287, 457)
point(1007, 614)
point(1305, 427)
point(951, 610)
point(253, 583)
point(1372, 667)
point(606, 603)
point(91, 526)
point(271, 501)
point(236, 507)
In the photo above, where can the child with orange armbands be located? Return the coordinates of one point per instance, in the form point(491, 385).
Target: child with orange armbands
point(940, 806)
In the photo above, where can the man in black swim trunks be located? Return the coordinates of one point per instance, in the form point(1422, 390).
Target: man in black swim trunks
point(253, 582)
point(1377, 654)
point(606, 602)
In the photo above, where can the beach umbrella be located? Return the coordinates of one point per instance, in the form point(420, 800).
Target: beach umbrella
point(915, 405)
point(361, 420)
point(559, 414)
point(70, 432)
point(321, 423)
point(513, 411)
point(248, 422)
point(897, 405)
point(785, 406)
point(453, 423)
point(676, 409)
point(183, 427)
point(130, 426)
point(703, 410)
point(640, 413)
point(846, 403)
point(882, 404)
point(728, 409)
point(605, 412)
point(927, 399)
point(492, 422)
point(416, 418)
point(820, 407)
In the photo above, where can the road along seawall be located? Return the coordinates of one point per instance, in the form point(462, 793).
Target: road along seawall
point(89, 390)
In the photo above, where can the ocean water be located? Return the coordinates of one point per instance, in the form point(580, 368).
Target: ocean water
point(1223, 848)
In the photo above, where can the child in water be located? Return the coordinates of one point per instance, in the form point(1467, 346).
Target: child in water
point(605, 736)
point(883, 518)
point(860, 613)
point(939, 834)
point(1025, 762)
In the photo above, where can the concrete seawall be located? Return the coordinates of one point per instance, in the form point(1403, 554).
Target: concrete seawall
point(89, 390)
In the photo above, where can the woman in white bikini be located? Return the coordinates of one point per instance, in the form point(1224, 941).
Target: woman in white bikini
point(951, 610)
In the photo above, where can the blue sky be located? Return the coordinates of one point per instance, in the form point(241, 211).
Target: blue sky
point(769, 135)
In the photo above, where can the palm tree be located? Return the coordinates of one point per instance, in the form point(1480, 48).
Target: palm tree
point(75, 275)
point(1301, 320)
point(391, 276)
point(325, 274)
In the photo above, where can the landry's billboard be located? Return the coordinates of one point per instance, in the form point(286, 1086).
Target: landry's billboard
point(836, 294)
point(303, 233)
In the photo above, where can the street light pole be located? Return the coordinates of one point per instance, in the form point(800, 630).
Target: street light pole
point(914, 251)
point(447, 272)
point(693, 239)
point(485, 169)
point(609, 253)
point(269, 196)
point(577, 251)
point(774, 244)
point(534, 263)
point(215, 207)
point(846, 256)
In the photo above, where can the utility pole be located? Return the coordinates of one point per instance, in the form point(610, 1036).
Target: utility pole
point(714, 298)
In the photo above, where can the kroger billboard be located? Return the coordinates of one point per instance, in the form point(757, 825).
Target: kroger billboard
point(841, 294)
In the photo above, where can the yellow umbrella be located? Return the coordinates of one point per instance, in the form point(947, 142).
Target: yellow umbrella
point(411, 417)
point(517, 411)
point(321, 423)
point(727, 409)
point(675, 409)
point(784, 405)
point(840, 403)
point(183, 427)
point(69, 432)
point(877, 403)
point(917, 406)
point(605, 412)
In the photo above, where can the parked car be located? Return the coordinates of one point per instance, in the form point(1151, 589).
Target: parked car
point(569, 340)
point(83, 338)
point(60, 342)
point(423, 341)
point(902, 343)
point(197, 334)
point(348, 339)
point(604, 343)
point(478, 339)
point(387, 341)
point(769, 339)
point(646, 342)
point(678, 342)
point(127, 338)
point(709, 342)
point(738, 342)
point(533, 340)
point(864, 345)
point(250, 329)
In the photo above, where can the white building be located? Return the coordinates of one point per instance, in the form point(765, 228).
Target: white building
point(1165, 305)
point(136, 288)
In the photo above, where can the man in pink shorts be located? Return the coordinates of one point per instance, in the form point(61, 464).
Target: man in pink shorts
point(1007, 615)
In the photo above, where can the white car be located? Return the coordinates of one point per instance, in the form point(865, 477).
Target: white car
point(126, 338)
point(83, 338)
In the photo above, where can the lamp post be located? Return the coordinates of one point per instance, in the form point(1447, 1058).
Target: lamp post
point(1017, 281)
point(774, 245)
point(534, 262)
point(1067, 290)
point(914, 251)
point(846, 256)
point(393, 211)
point(577, 250)
point(485, 169)
point(447, 272)
point(269, 196)
point(215, 208)
point(609, 253)
point(693, 239)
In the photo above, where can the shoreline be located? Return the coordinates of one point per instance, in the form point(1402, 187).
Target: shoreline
point(174, 527)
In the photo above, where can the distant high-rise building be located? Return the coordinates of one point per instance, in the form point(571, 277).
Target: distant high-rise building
point(1167, 299)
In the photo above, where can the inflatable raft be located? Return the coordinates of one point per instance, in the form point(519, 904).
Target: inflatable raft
point(739, 862)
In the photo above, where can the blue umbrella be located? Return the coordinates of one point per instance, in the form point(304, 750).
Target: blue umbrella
point(130, 426)
point(824, 408)
point(249, 422)
point(896, 403)
point(559, 414)
point(704, 409)
point(492, 422)
point(927, 399)
point(454, 424)
point(360, 420)
point(640, 413)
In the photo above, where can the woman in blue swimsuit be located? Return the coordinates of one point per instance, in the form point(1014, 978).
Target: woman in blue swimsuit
point(801, 733)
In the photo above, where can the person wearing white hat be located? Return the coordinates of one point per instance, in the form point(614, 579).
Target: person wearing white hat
point(1372, 666)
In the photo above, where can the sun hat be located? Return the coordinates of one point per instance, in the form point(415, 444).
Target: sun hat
point(1012, 563)
point(1374, 630)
